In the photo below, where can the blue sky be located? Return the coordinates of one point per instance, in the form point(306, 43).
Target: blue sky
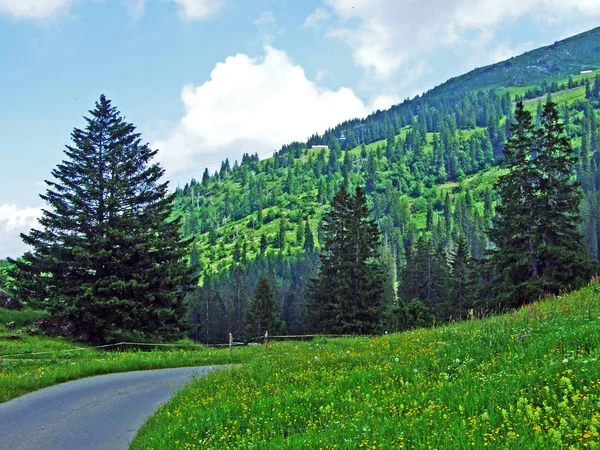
point(208, 79)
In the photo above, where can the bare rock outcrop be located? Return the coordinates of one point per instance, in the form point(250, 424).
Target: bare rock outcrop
point(6, 301)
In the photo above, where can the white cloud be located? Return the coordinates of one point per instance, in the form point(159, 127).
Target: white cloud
point(253, 105)
point(317, 19)
point(41, 9)
point(33, 9)
point(14, 221)
point(505, 51)
point(383, 102)
point(268, 27)
point(264, 19)
point(386, 35)
point(198, 9)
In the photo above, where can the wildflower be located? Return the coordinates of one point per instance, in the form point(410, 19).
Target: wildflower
point(397, 359)
point(566, 360)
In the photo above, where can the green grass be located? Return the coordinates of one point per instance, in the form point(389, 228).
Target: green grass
point(521, 90)
point(35, 362)
point(23, 318)
point(528, 379)
point(561, 97)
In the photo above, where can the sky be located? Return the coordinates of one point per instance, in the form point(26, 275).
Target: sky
point(205, 80)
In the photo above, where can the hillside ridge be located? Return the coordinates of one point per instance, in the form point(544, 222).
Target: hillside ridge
point(563, 58)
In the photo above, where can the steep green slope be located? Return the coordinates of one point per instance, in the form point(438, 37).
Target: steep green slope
point(529, 379)
point(428, 166)
point(559, 60)
point(248, 201)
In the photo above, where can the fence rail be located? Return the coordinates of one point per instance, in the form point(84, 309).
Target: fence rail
point(20, 356)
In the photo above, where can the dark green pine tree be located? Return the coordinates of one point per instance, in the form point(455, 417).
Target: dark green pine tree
point(107, 257)
point(264, 312)
point(263, 244)
point(538, 246)
point(425, 276)
point(512, 260)
point(281, 234)
point(564, 262)
point(462, 282)
point(309, 239)
point(347, 295)
point(205, 176)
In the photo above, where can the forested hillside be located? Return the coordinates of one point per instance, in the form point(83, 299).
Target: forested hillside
point(428, 167)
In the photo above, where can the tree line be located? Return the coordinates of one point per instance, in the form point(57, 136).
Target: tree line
point(410, 241)
point(441, 278)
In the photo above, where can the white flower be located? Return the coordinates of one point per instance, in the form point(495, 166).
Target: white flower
point(566, 360)
point(415, 370)
point(397, 359)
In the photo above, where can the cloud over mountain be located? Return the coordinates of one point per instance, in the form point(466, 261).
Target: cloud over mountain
point(254, 105)
point(386, 35)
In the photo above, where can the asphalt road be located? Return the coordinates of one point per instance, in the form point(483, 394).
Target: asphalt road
point(102, 412)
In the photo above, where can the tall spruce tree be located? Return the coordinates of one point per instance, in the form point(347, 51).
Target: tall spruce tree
point(107, 257)
point(347, 295)
point(563, 259)
point(425, 276)
point(264, 313)
point(538, 247)
point(462, 280)
point(512, 259)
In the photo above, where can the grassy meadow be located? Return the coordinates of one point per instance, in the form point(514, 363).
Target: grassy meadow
point(528, 379)
point(35, 362)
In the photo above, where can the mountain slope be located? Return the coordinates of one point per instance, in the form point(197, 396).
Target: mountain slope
point(559, 60)
point(428, 166)
point(523, 380)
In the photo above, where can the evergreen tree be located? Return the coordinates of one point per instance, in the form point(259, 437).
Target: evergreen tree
point(347, 295)
point(429, 217)
point(538, 247)
point(106, 257)
point(512, 259)
point(300, 232)
point(309, 240)
point(462, 284)
point(205, 176)
point(264, 312)
point(263, 244)
point(425, 276)
point(563, 261)
point(281, 234)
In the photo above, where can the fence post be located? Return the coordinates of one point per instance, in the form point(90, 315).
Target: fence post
point(266, 341)
point(230, 342)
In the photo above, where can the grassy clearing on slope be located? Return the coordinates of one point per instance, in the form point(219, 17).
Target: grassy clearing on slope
point(530, 379)
point(521, 90)
point(22, 371)
point(568, 96)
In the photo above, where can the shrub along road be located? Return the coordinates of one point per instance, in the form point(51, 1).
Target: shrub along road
point(101, 412)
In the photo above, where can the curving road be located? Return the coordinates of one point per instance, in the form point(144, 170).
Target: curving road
point(102, 412)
